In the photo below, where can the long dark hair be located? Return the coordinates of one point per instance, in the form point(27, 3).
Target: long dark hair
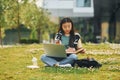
point(71, 40)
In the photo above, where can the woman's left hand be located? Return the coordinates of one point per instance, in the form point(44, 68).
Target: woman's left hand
point(70, 50)
point(81, 50)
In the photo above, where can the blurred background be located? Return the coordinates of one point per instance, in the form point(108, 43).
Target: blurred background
point(37, 21)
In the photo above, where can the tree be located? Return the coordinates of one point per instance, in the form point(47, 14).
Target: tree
point(37, 19)
point(3, 8)
point(14, 13)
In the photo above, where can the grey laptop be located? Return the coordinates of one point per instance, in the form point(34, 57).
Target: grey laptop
point(54, 50)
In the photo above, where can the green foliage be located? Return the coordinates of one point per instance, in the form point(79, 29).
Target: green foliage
point(33, 34)
point(28, 41)
point(46, 36)
point(15, 12)
point(36, 19)
point(3, 33)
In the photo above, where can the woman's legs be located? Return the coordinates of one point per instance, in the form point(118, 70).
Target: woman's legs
point(69, 60)
point(50, 61)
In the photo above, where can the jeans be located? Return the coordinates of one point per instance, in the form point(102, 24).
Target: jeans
point(50, 61)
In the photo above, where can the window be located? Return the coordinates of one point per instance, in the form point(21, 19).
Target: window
point(83, 3)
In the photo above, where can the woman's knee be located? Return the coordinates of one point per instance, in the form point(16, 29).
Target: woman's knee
point(73, 56)
point(42, 57)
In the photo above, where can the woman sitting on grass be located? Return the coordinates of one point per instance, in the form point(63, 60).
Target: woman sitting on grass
point(72, 42)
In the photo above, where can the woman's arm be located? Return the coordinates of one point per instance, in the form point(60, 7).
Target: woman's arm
point(58, 38)
point(80, 49)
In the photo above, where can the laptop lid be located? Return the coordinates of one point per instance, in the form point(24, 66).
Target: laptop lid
point(55, 50)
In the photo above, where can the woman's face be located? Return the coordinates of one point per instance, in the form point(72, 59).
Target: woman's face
point(67, 27)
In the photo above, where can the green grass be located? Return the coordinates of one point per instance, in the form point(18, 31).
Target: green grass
point(13, 62)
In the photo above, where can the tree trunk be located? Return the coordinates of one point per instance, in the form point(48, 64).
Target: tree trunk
point(19, 36)
point(1, 36)
point(18, 27)
point(39, 35)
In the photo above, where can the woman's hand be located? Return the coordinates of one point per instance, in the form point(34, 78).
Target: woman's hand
point(57, 42)
point(70, 50)
point(80, 50)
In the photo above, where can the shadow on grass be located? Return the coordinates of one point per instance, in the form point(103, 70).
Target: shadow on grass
point(68, 70)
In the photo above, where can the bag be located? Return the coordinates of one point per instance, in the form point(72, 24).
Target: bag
point(88, 63)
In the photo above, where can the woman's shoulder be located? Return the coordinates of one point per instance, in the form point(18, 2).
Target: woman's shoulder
point(58, 36)
point(59, 33)
point(77, 34)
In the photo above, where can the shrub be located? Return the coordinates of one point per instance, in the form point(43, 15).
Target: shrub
point(29, 41)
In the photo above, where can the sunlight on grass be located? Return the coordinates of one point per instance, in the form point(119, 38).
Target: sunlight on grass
point(13, 62)
point(68, 70)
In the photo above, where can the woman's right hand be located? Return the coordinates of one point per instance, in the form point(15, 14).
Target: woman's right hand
point(81, 50)
point(57, 42)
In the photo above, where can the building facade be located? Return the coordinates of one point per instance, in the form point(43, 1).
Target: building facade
point(100, 18)
point(69, 8)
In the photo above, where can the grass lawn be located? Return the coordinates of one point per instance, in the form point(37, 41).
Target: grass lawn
point(13, 62)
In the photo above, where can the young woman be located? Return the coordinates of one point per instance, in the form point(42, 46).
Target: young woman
point(72, 42)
